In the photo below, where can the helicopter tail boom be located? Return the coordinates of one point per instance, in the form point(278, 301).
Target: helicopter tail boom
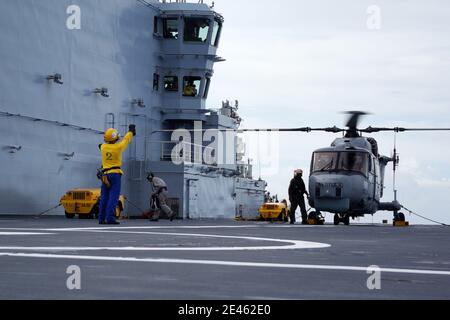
point(390, 206)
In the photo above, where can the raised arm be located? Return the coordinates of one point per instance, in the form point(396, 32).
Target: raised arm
point(123, 145)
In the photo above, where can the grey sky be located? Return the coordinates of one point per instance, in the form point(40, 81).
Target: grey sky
point(298, 63)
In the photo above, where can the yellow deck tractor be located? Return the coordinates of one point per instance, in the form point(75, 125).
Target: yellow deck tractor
point(85, 203)
point(274, 212)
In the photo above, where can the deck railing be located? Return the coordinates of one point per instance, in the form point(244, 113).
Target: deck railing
point(184, 152)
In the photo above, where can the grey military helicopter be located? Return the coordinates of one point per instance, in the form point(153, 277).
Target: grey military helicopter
point(347, 178)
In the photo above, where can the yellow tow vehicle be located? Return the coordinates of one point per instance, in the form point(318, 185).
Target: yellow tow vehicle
point(85, 203)
point(274, 212)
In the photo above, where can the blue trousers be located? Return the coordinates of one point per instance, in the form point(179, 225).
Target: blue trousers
point(110, 198)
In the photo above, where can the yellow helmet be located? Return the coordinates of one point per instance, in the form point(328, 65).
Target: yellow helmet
point(111, 135)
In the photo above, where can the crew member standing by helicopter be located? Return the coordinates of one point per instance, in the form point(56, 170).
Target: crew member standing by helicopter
point(297, 189)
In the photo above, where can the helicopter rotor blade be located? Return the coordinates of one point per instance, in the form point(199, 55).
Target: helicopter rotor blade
point(304, 129)
point(400, 129)
point(330, 129)
point(242, 130)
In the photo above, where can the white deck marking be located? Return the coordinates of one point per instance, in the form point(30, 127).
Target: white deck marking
point(225, 263)
point(136, 227)
point(288, 244)
point(162, 227)
point(23, 233)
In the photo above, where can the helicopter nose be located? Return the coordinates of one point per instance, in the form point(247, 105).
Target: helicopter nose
point(329, 190)
point(330, 196)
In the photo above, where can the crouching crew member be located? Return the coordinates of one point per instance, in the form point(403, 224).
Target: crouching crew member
point(159, 198)
point(112, 172)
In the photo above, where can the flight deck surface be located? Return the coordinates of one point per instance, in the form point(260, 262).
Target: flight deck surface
point(215, 259)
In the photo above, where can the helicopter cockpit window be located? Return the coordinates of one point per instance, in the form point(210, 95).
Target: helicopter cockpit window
point(324, 161)
point(170, 28)
point(353, 161)
point(196, 29)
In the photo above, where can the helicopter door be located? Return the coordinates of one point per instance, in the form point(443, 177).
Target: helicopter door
point(378, 186)
point(372, 180)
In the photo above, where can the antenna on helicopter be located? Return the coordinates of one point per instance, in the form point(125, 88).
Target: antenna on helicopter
point(395, 162)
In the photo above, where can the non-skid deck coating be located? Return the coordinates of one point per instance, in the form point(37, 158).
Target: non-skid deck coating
point(220, 260)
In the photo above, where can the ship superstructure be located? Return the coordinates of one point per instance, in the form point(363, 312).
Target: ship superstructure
point(71, 69)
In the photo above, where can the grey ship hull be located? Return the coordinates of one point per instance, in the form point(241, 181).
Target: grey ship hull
point(49, 132)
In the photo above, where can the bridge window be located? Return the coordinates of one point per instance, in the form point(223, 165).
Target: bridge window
point(171, 83)
point(196, 29)
point(170, 28)
point(207, 85)
point(324, 161)
point(191, 86)
point(217, 28)
point(155, 82)
point(155, 25)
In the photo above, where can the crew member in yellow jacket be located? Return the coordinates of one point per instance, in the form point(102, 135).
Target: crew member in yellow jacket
point(112, 172)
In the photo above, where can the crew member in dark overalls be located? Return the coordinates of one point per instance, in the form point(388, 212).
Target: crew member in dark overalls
point(297, 190)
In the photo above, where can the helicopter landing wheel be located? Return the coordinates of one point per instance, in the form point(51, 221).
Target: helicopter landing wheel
point(346, 220)
point(320, 218)
point(337, 219)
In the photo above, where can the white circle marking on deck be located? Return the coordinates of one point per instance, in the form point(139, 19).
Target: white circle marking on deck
point(288, 244)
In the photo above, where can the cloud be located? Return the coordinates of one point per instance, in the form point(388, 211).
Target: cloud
point(434, 183)
point(294, 64)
